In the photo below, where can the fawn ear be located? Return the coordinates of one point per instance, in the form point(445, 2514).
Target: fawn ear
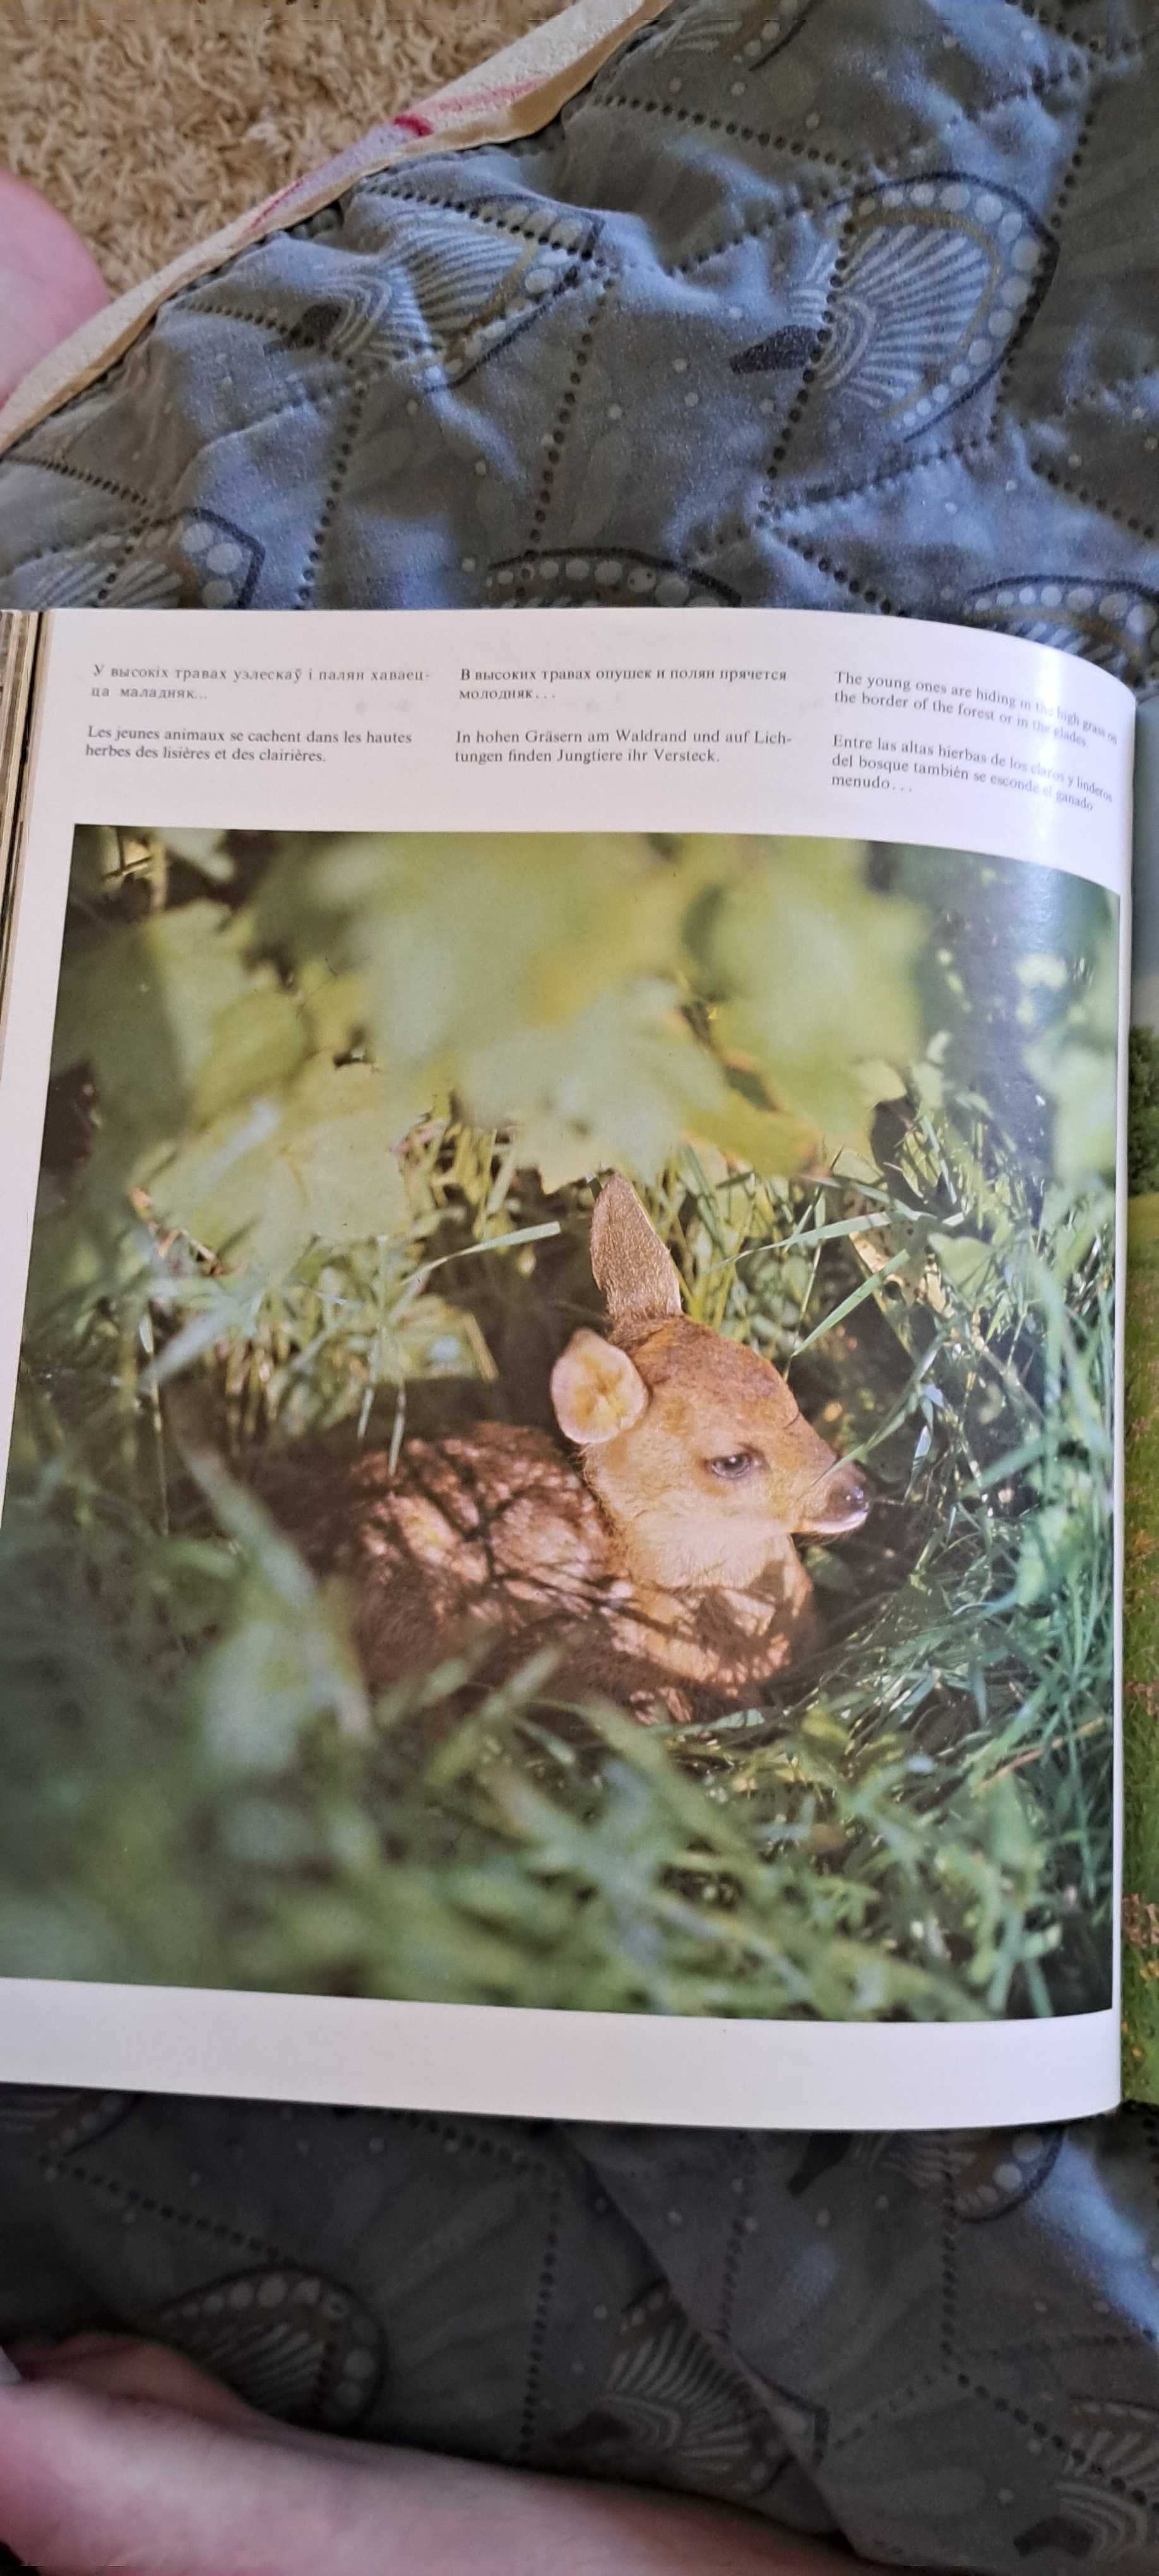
point(638, 1277)
point(596, 1391)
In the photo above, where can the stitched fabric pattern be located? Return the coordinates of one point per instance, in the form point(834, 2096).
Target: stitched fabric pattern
point(866, 279)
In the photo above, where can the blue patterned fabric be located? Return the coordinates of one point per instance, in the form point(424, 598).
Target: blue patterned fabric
point(817, 302)
point(829, 303)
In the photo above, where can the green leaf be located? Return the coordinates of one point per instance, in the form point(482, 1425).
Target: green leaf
point(256, 1042)
point(819, 973)
point(262, 1183)
point(461, 937)
point(539, 978)
point(336, 1138)
point(336, 1005)
point(141, 1003)
point(625, 1082)
point(87, 1243)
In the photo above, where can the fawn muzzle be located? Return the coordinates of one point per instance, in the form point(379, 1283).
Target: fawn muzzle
point(838, 1503)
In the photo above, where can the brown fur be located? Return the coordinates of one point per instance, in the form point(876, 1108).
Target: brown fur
point(661, 1567)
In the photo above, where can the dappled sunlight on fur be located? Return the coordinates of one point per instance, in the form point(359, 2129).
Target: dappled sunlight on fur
point(664, 1558)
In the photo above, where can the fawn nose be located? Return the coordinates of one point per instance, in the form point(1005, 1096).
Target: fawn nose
point(839, 1503)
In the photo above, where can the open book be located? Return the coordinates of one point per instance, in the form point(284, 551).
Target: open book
point(559, 1341)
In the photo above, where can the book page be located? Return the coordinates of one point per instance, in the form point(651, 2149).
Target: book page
point(558, 1364)
point(19, 639)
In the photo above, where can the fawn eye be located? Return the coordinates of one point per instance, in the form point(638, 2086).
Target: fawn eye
point(731, 1468)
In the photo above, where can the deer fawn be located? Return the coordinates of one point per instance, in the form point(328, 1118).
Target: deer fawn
point(661, 1565)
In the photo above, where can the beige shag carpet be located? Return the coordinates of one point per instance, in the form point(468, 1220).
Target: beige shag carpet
point(150, 122)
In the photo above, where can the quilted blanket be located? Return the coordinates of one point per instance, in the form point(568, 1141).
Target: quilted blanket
point(830, 303)
point(867, 283)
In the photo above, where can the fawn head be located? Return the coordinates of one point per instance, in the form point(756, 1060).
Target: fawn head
point(694, 1446)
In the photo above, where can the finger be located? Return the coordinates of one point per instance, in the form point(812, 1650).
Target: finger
point(125, 2366)
point(89, 2483)
point(48, 282)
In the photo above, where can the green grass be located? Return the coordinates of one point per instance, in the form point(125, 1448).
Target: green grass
point(1141, 1656)
point(919, 1827)
point(320, 1162)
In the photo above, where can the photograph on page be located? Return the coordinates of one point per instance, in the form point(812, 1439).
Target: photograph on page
point(563, 1454)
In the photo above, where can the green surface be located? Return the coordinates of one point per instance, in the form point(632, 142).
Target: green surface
point(1141, 1657)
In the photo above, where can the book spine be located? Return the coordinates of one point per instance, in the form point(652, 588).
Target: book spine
point(20, 633)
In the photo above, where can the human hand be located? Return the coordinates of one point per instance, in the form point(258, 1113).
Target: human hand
point(118, 2456)
point(49, 282)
